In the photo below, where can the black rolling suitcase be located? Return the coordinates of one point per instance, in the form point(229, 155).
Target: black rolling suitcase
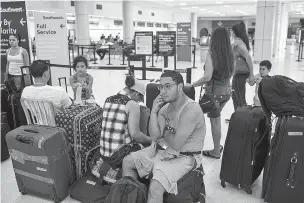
point(5, 128)
point(283, 180)
point(152, 92)
point(41, 161)
point(246, 147)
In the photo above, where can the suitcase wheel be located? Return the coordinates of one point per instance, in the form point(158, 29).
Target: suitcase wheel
point(248, 190)
point(23, 193)
point(223, 183)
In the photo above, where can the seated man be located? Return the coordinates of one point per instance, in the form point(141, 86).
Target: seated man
point(178, 131)
point(40, 90)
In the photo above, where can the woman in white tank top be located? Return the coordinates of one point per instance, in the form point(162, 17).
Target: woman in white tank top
point(16, 57)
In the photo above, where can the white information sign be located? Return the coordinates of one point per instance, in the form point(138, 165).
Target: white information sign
point(143, 43)
point(52, 42)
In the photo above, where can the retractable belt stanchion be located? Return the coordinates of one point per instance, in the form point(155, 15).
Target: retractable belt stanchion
point(175, 57)
point(82, 50)
point(78, 50)
point(94, 53)
point(152, 60)
point(123, 54)
point(109, 56)
point(166, 61)
point(194, 50)
point(144, 71)
point(302, 50)
point(299, 54)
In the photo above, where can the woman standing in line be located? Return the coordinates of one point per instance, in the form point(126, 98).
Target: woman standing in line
point(218, 72)
point(243, 66)
point(16, 57)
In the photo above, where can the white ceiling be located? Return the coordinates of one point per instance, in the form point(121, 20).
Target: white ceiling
point(224, 8)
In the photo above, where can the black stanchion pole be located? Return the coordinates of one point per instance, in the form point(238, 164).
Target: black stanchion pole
point(152, 60)
point(73, 56)
point(129, 60)
point(109, 56)
point(194, 47)
point(302, 50)
point(166, 61)
point(78, 50)
point(144, 72)
point(188, 75)
point(299, 57)
point(131, 70)
point(94, 47)
point(69, 53)
point(82, 51)
point(123, 54)
point(175, 53)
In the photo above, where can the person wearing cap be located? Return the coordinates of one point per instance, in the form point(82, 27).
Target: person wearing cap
point(120, 129)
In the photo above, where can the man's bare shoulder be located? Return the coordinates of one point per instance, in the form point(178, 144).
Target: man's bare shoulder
point(192, 110)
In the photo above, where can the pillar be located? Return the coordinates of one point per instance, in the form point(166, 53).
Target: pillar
point(264, 30)
point(82, 10)
point(193, 25)
point(127, 12)
point(283, 28)
point(277, 27)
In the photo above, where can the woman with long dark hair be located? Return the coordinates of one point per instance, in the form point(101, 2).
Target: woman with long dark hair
point(218, 71)
point(243, 66)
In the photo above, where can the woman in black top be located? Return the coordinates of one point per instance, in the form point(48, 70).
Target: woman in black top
point(243, 67)
point(218, 71)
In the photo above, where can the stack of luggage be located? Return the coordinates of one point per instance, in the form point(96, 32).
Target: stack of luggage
point(270, 137)
point(283, 179)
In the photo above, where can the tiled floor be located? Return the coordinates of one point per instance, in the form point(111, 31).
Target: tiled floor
point(109, 82)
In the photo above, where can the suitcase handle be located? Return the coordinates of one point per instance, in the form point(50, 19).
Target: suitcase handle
point(30, 131)
point(24, 139)
point(293, 161)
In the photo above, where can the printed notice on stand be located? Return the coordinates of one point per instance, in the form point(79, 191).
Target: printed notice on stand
point(183, 41)
point(51, 37)
point(143, 43)
point(166, 42)
point(52, 42)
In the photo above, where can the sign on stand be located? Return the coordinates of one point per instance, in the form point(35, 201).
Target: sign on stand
point(52, 42)
point(166, 42)
point(13, 21)
point(183, 42)
point(143, 43)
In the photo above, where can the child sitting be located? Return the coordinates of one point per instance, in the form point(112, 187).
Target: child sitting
point(265, 67)
point(81, 79)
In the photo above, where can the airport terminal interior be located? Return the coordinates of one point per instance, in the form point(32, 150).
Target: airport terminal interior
point(104, 32)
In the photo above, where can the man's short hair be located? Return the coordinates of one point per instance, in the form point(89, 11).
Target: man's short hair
point(38, 67)
point(176, 76)
point(266, 63)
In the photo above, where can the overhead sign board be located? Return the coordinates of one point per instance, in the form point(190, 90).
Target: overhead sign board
point(13, 21)
point(52, 42)
point(184, 41)
point(143, 43)
point(166, 42)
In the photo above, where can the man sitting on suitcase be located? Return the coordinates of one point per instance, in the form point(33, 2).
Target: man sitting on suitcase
point(177, 130)
point(40, 90)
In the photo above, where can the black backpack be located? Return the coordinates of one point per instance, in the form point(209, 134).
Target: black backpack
point(281, 96)
point(191, 188)
point(127, 190)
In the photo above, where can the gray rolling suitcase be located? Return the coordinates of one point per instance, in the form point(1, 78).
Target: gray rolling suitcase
point(41, 161)
point(283, 179)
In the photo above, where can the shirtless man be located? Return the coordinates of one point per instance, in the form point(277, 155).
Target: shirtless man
point(178, 131)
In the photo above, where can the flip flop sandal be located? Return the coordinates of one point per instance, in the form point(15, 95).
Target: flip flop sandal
point(207, 153)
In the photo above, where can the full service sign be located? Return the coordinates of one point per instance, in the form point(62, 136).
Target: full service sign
point(143, 43)
point(184, 41)
point(51, 37)
point(166, 42)
point(13, 21)
point(52, 42)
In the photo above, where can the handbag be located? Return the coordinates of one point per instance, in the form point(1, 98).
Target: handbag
point(241, 66)
point(207, 103)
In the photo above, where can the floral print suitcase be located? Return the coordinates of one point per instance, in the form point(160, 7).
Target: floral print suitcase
point(82, 126)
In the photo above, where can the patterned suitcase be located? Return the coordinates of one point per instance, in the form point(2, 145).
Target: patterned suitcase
point(41, 161)
point(81, 124)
